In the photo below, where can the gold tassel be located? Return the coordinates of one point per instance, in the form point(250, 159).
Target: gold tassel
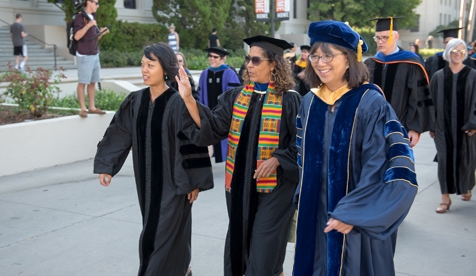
point(359, 50)
point(359, 45)
point(390, 38)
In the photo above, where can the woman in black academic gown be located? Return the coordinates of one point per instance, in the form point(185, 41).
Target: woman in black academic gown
point(261, 170)
point(169, 170)
point(356, 166)
point(453, 92)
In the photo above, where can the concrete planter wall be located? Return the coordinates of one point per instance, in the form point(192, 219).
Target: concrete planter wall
point(45, 143)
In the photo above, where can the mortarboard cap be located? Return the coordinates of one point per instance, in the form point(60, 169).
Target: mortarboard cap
point(386, 23)
point(338, 33)
point(217, 50)
point(305, 47)
point(272, 44)
point(453, 32)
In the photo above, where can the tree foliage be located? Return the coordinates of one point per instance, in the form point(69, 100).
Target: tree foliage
point(359, 12)
point(193, 19)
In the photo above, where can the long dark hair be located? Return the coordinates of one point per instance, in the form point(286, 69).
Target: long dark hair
point(166, 57)
point(355, 75)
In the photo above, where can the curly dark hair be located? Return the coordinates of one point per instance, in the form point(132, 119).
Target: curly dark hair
point(282, 71)
point(166, 57)
point(355, 75)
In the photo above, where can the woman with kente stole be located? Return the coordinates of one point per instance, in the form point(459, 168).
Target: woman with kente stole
point(261, 169)
point(357, 172)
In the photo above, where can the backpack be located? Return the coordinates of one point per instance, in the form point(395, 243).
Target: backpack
point(73, 43)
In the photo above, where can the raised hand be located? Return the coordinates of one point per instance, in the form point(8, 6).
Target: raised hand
point(183, 84)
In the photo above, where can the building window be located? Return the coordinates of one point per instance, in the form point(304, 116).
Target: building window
point(416, 29)
point(130, 4)
point(441, 17)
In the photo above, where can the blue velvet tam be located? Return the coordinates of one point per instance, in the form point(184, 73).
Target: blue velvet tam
point(336, 32)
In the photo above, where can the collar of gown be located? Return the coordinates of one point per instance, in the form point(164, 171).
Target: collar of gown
point(327, 95)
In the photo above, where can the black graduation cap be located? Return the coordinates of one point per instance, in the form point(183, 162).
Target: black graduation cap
point(453, 32)
point(218, 51)
point(305, 47)
point(386, 23)
point(272, 44)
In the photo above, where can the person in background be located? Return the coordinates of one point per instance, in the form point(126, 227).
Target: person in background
point(174, 39)
point(214, 81)
point(87, 34)
point(213, 40)
point(169, 170)
point(436, 61)
point(415, 49)
point(473, 56)
point(17, 33)
point(403, 78)
point(452, 89)
point(182, 62)
point(261, 174)
point(300, 64)
point(417, 42)
point(292, 56)
point(429, 42)
point(357, 172)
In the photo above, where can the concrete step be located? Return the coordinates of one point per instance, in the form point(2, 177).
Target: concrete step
point(31, 58)
point(36, 49)
point(34, 67)
point(44, 53)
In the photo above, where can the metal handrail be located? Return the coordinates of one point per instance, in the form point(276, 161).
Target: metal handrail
point(29, 35)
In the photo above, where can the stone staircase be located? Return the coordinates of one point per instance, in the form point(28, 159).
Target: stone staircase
point(38, 56)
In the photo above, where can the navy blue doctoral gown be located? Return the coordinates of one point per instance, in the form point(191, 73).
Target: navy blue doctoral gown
point(356, 166)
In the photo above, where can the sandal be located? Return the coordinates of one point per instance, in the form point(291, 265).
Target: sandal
point(443, 207)
point(467, 196)
point(96, 111)
point(83, 113)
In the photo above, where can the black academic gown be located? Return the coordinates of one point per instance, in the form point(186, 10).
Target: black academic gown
point(403, 79)
point(356, 166)
point(436, 62)
point(166, 167)
point(455, 112)
point(259, 223)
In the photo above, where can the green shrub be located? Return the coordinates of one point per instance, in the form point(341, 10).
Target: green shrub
point(32, 90)
point(105, 99)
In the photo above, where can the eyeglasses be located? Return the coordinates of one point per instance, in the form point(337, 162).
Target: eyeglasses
point(461, 52)
point(325, 58)
point(97, 3)
point(254, 60)
point(381, 38)
point(212, 56)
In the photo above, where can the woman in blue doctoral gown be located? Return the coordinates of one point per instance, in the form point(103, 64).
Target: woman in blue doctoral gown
point(357, 175)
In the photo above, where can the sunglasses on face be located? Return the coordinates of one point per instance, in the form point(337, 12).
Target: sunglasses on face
point(454, 52)
point(212, 56)
point(254, 60)
point(97, 3)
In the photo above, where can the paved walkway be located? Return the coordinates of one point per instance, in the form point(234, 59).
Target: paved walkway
point(59, 221)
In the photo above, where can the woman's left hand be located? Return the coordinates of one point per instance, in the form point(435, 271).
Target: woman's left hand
point(183, 84)
point(338, 225)
point(266, 168)
point(192, 196)
point(470, 132)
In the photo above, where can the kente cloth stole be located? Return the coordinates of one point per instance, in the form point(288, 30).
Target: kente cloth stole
point(268, 139)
